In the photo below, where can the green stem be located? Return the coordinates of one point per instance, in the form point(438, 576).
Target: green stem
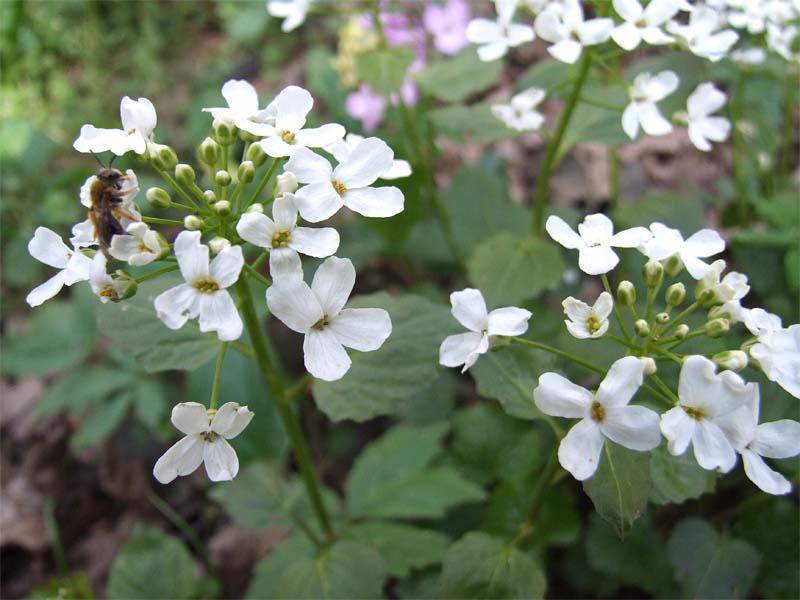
point(617, 313)
point(181, 207)
point(681, 317)
point(156, 273)
point(665, 389)
point(549, 162)
point(217, 376)
point(160, 221)
point(180, 524)
point(619, 340)
point(298, 386)
point(291, 425)
point(177, 187)
point(539, 495)
point(55, 537)
point(740, 152)
point(253, 273)
point(561, 353)
point(262, 183)
point(613, 177)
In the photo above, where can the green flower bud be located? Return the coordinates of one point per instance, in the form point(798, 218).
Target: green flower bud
point(256, 155)
point(193, 222)
point(218, 244)
point(673, 265)
point(662, 318)
point(210, 197)
point(163, 157)
point(641, 328)
point(717, 328)
point(626, 293)
point(163, 244)
point(675, 295)
point(733, 360)
point(247, 137)
point(208, 151)
point(184, 174)
point(158, 198)
point(681, 331)
point(649, 365)
point(224, 131)
point(223, 178)
point(255, 207)
point(653, 273)
point(708, 297)
point(223, 207)
point(246, 172)
point(285, 182)
point(124, 285)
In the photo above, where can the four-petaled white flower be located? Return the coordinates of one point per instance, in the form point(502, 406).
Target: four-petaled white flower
point(667, 242)
point(293, 12)
point(207, 434)
point(519, 114)
point(317, 311)
point(704, 101)
point(285, 239)
point(604, 414)
point(778, 355)
point(642, 110)
point(342, 149)
point(242, 109)
point(711, 287)
point(138, 122)
point(700, 35)
point(588, 321)
point(595, 242)
point(496, 37)
point(47, 247)
point(712, 407)
point(564, 26)
point(204, 293)
point(347, 185)
point(643, 23)
point(139, 247)
point(291, 107)
point(759, 321)
point(103, 286)
point(83, 233)
point(469, 309)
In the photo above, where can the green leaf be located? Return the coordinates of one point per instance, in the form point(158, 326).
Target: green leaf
point(474, 123)
point(546, 74)
point(134, 326)
point(453, 79)
point(268, 573)
point(781, 210)
point(149, 402)
point(104, 419)
point(591, 123)
point(529, 267)
point(402, 547)
point(678, 478)
point(385, 69)
point(679, 212)
point(151, 564)
point(482, 566)
point(74, 587)
point(621, 486)
point(87, 386)
point(379, 382)
point(710, 565)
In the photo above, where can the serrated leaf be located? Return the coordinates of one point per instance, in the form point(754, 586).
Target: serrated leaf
point(402, 547)
point(385, 69)
point(150, 565)
point(481, 566)
point(474, 123)
point(453, 79)
point(621, 486)
point(529, 267)
point(379, 382)
point(134, 326)
point(678, 478)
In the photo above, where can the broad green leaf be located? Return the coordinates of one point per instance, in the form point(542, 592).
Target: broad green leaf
point(150, 565)
point(244, 22)
point(529, 267)
point(710, 565)
point(684, 213)
point(402, 547)
point(150, 402)
point(385, 69)
point(482, 566)
point(592, 123)
point(134, 326)
point(379, 382)
point(74, 587)
point(102, 421)
point(621, 486)
point(453, 79)
point(474, 123)
point(87, 386)
point(268, 573)
point(434, 403)
point(547, 74)
point(781, 210)
point(322, 79)
point(678, 478)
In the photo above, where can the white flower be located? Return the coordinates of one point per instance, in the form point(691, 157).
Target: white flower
point(285, 239)
point(317, 312)
point(204, 294)
point(731, 287)
point(759, 321)
point(83, 233)
point(668, 242)
point(291, 107)
point(47, 247)
point(699, 35)
point(642, 110)
point(342, 149)
point(347, 185)
point(469, 309)
point(781, 39)
point(139, 247)
point(519, 114)
point(565, 27)
point(242, 109)
point(293, 12)
point(138, 122)
point(708, 402)
point(588, 321)
point(103, 286)
point(749, 57)
point(604, 414)
point(206, 441)
point(496, 37)
point(748, 14)
point(778, 354)
point(595, 242)
point(706, 99)
point(643, 23)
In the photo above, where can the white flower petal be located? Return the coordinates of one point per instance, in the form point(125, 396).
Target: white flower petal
point(562, 233)
point(190, 417)
point(651, 120)
point(596, 229)
point(400, 168)
point(284, 211)
point(241, 96)
point(519, 34)
point(469, 309)
point(46, 290)
point(138, 115)
point(765, 478)
point(630, 120)
point(293, 104)
point(362, 329)
point(277, 147)
point(192, 256)
point(567, 51)
point(630, 238)
point(370, 159)
point(482, 31)
point(320, 136)
point(177, 305)
point(308, 167)
point(218, 313)
point(620, 384)
point(181, 459)
point(660, 11)
point(597, 260)
point(508, 321)
point(226, 266)
point(678, 427)
point(374, 202)
point(627, 36)
point(324, 357)
point(595, 31)
point(778, 439)
point(493, 51)
point(47, 247)
point(634, 427)
point(315, 242)
point(294, 304)
point(318, 201)
point(456, 349)
point(711, 448)
point(241, 420)
point(580, 450)
point(221, 461)
point(257, 229)
point(224, 418)
point(332, 284)
point(630, 10)
point(285, 262)
point(83, 234)
point(557, 396)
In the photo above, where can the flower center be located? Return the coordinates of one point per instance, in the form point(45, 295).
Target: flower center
point(338, 186)
point(597, 412)
point(592, 323)
point(132, 130)
point(209, 436)
point(696, 413)
point(575, 35)
point(641, 22)
point(287, 136)
point(281, 239)
point(207, 286)
point(143, 248)
point(321, 324)
point(109, 292)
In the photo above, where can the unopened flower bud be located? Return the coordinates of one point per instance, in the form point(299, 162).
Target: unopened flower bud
point(193, 222)
point(223, 178)
point(673, 265)
point(247, 137)
point(256, 155)
point(218, 244)
point(223, 207)
point(675, 294)
point(208, 151)
point(224, 131)
point(641, 328)
point(163, 245)
point(286, 182)
point(662, 318)
point(681, 331)
point(158, 198)
point(717, 327)
point(124, 285)
point(734, 360)
point(255, 207)
point(246, 172)
point(626, 293)
point(653, 273)
point(163, 157)
point(708, 297)
point(210, 197)
point(184, 174)
point(649, 365)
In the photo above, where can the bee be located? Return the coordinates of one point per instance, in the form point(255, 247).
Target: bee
point(107, 206)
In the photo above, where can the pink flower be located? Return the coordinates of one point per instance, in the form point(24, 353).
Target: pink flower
point(448, 25)
point(366, 106)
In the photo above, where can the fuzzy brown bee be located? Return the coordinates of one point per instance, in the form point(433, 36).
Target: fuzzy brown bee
point(106, 196)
